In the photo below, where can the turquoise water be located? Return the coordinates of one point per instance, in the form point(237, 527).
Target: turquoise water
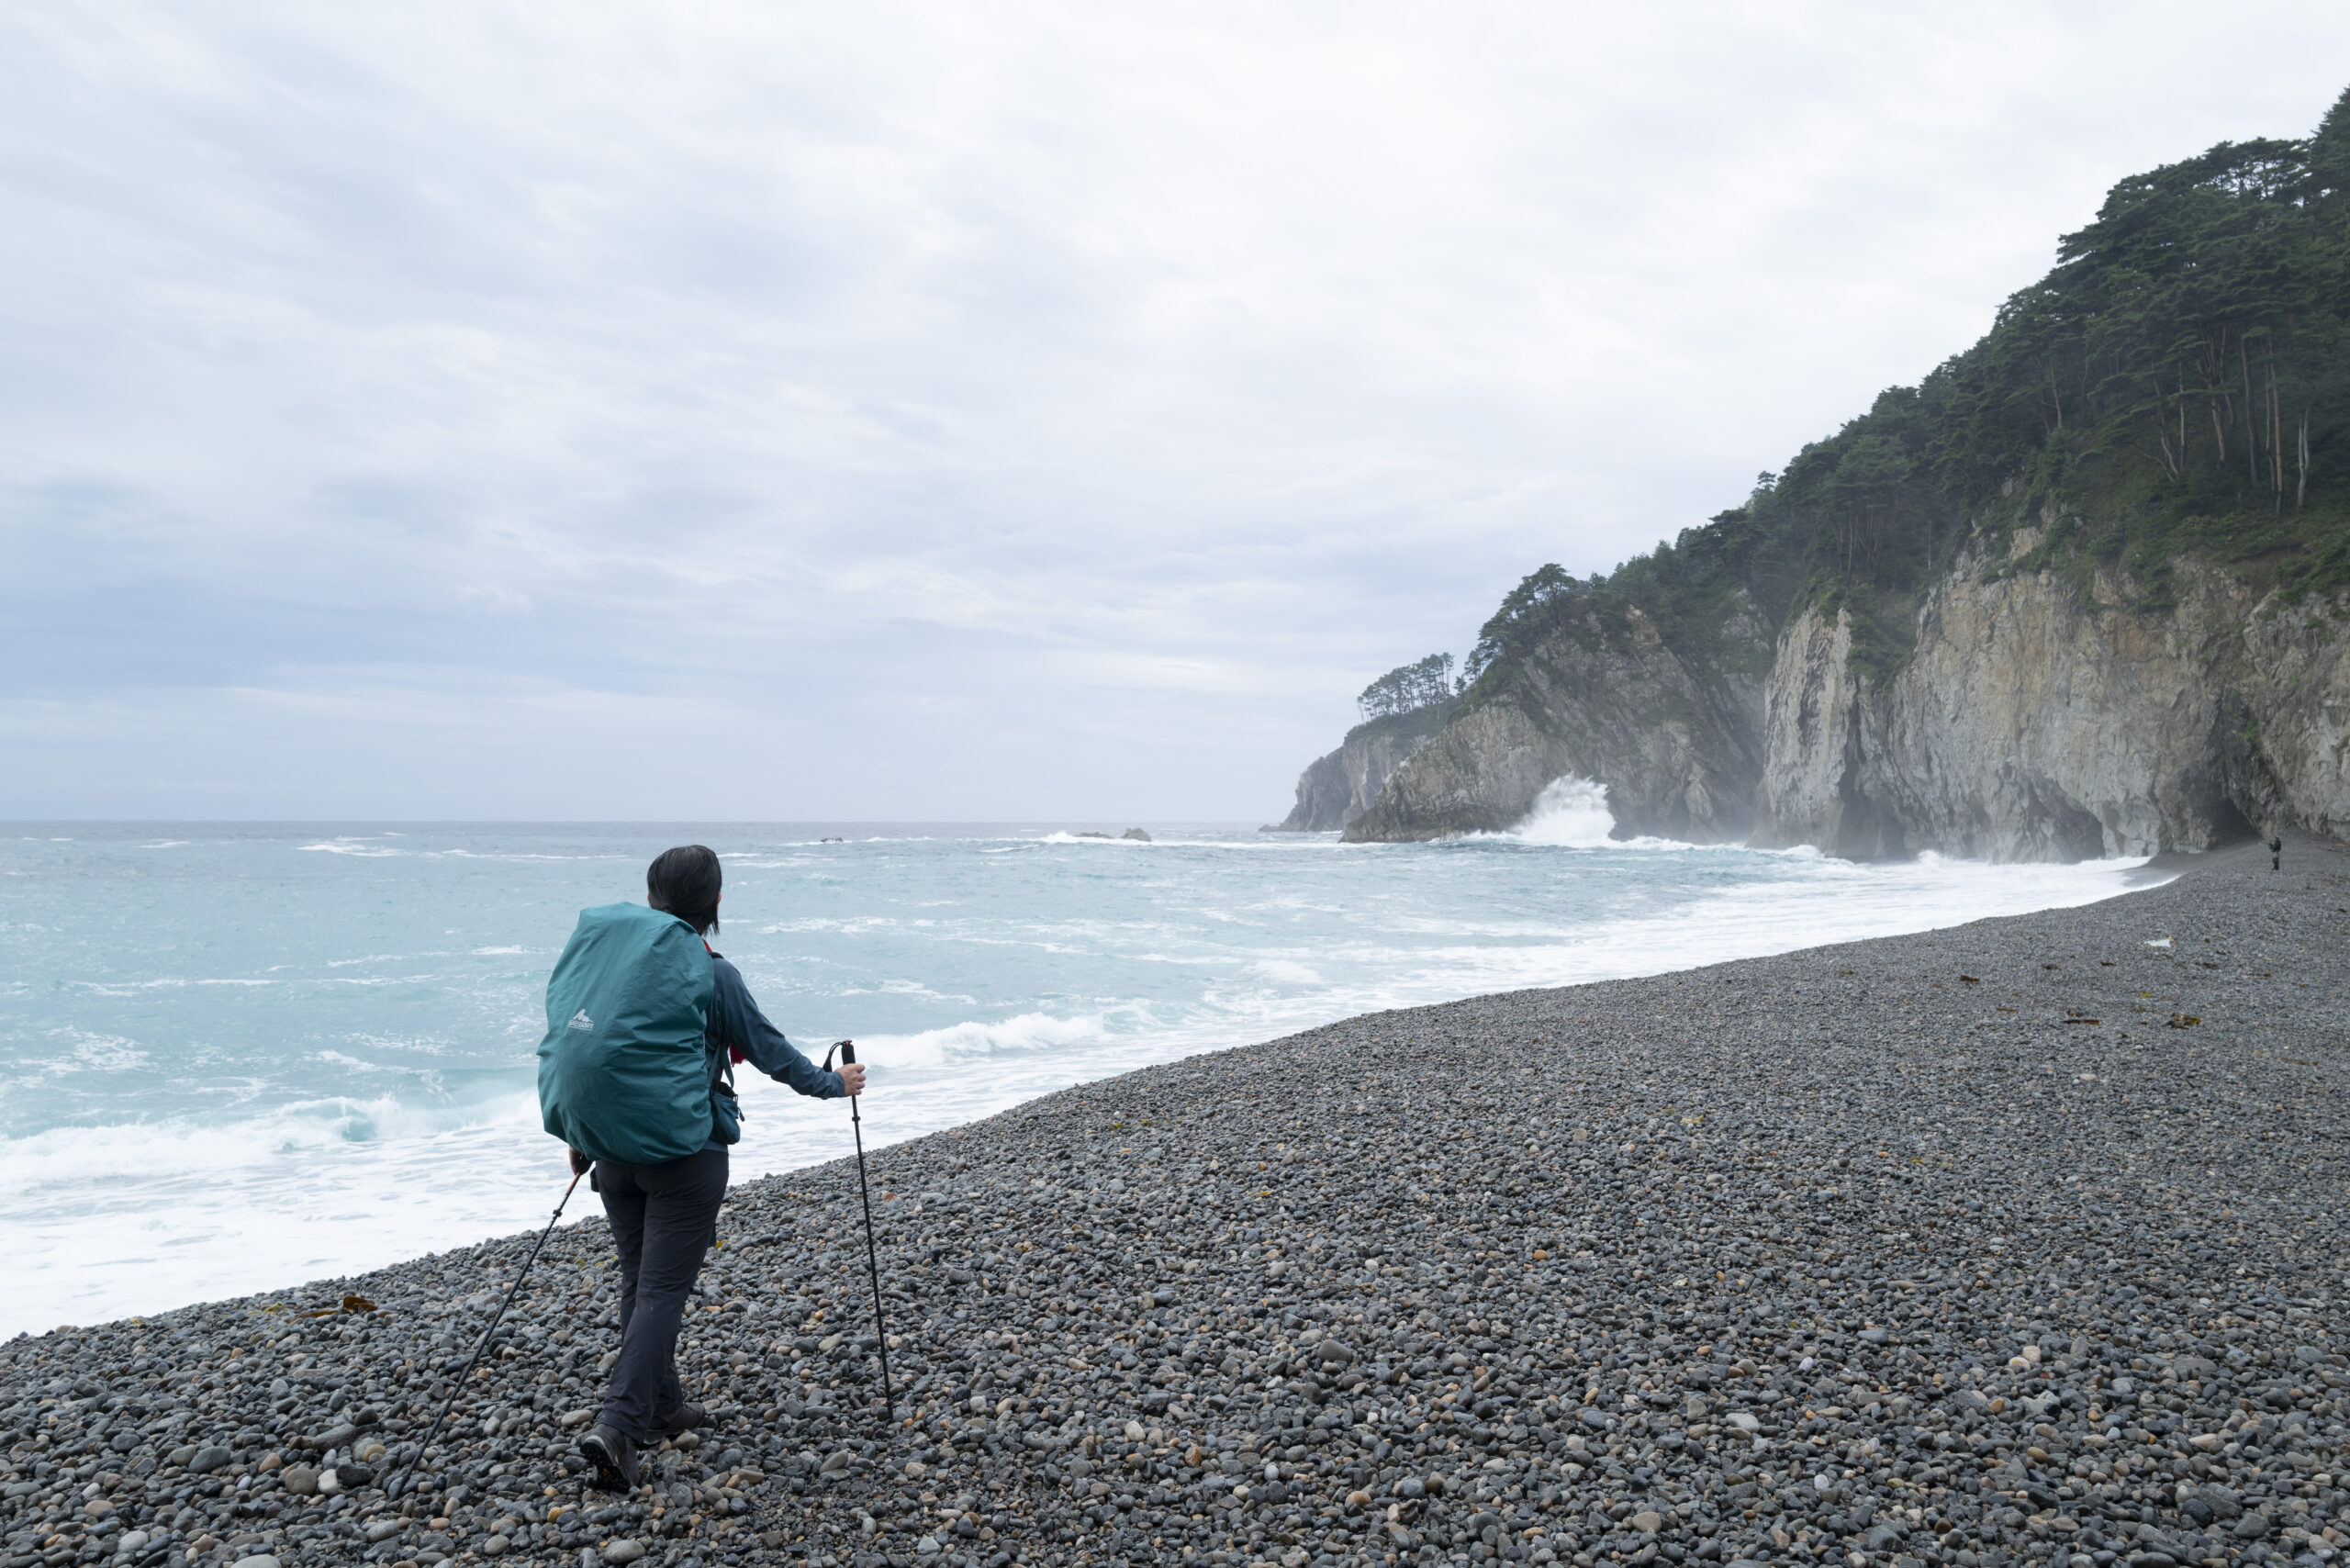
point(235, 1058)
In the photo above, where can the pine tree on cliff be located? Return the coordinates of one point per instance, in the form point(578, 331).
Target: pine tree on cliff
point(1407, 688)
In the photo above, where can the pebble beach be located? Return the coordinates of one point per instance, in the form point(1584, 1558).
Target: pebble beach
point(2019, 1242)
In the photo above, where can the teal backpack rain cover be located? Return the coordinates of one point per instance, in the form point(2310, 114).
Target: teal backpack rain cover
point(622, 1073)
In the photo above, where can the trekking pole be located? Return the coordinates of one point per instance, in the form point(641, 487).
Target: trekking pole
point(872, 1260)
point(399, 1482)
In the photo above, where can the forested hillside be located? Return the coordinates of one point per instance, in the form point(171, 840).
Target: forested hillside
point(2177, 385)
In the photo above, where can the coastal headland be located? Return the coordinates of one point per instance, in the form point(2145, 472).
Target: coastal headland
point(1953, 624)
point(2016, 1242)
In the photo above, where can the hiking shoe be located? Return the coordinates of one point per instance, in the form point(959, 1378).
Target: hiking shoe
point(614, 1456)
point(684, 1419)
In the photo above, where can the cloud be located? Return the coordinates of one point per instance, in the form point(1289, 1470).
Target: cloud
point(1024, 409)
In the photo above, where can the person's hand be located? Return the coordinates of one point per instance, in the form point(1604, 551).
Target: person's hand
point(579, 1163)
point(853, 1076)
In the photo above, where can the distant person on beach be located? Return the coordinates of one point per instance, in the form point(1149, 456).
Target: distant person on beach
point(618, 1089)
point(2276, 851)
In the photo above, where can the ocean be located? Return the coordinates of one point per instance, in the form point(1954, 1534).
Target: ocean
point(234, 1058)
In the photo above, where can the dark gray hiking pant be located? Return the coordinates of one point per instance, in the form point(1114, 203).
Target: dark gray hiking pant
point(663, 1217)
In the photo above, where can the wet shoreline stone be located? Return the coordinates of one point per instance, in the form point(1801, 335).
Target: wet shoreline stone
point(2017, 1243)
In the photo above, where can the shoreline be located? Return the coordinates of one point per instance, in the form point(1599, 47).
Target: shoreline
point(1638, 1269)
point(369, 1160)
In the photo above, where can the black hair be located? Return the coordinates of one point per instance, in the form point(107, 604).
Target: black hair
point(684, 881)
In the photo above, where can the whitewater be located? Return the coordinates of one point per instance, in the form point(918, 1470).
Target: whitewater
point(236, 1057)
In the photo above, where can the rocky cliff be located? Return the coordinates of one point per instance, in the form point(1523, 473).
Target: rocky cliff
point(2042, 717)
point(2043, 712)
point(1335, 789)
point(2080, 591)
point(1672, 727)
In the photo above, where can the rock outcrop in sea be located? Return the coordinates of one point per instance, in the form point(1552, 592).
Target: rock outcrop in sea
point(1336, 789)
point(1674, 730)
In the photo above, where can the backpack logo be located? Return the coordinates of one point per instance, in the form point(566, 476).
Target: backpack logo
point(581, 1022)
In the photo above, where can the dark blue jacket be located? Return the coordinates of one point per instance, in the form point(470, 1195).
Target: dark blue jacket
point(736, 1024)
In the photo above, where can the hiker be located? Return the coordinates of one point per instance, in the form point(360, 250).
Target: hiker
point(644, 1020)
point(2276, 850)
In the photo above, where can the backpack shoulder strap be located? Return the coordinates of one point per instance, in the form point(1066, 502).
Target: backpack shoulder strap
point(721, 1071)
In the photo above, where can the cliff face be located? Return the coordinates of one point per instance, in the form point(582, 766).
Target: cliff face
point(2038, 717)
point(1335, 789)
point(1673, 734)
point(2039, 720)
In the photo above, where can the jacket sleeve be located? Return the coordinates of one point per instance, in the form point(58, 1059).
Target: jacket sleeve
point(744, 1028)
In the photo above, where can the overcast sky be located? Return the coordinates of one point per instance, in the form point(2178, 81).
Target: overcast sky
point(876, 411)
